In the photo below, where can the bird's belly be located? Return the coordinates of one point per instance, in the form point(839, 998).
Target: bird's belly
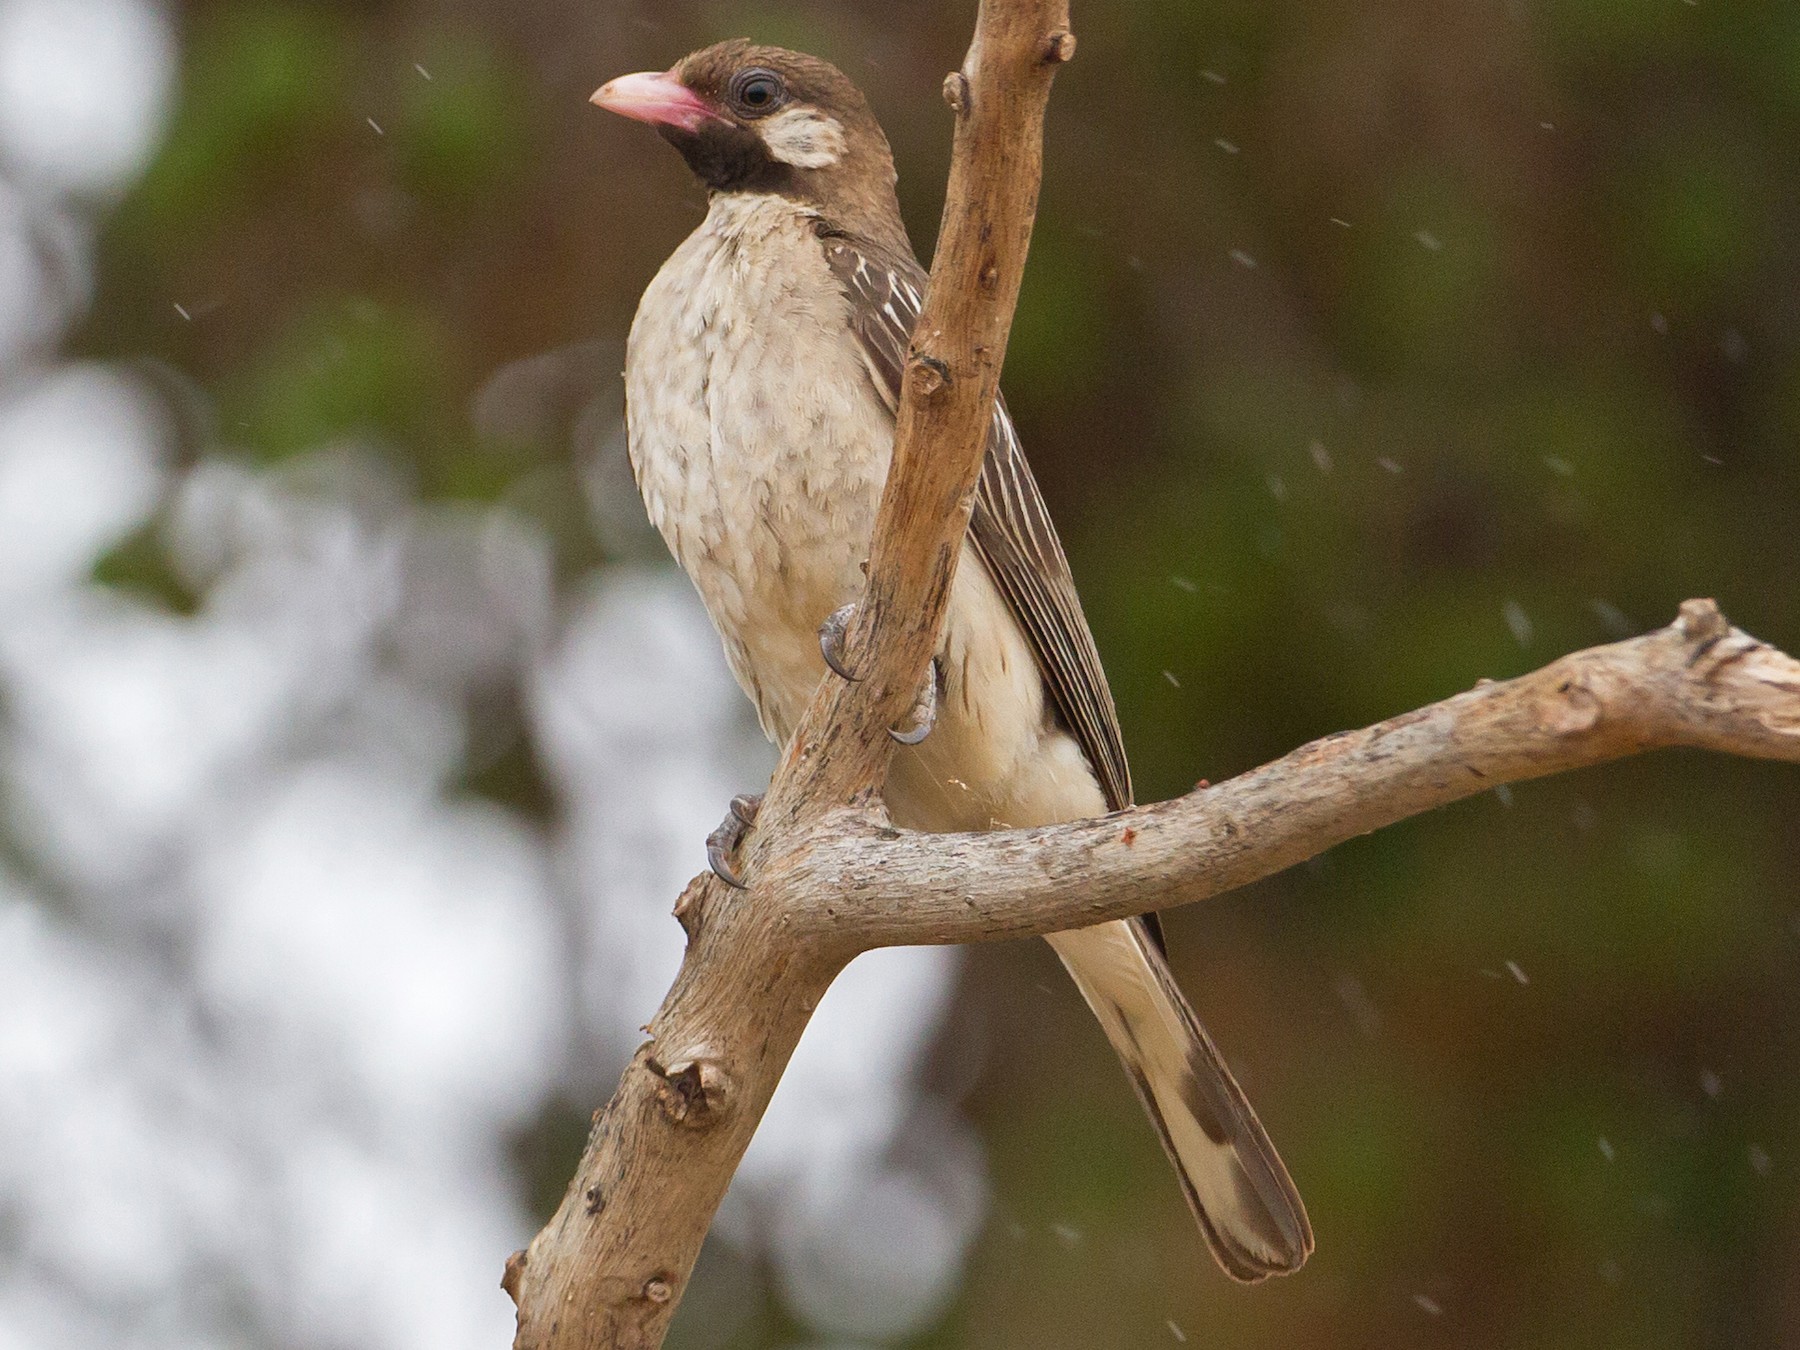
point(759, 445)
point(760, 448)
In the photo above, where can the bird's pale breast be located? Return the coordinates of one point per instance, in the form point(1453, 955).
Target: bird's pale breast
point(760, 447)
point(758, 451)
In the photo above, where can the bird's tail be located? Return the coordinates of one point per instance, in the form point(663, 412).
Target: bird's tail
point(1235, 1184)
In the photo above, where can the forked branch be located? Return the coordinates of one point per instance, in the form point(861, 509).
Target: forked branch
point(828, 878)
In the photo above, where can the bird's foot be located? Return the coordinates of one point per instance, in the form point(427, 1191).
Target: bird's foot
point(723, 842)
point(924, 710)
point(831, 640)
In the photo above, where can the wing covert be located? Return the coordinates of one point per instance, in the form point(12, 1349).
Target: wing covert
point(1010, 526)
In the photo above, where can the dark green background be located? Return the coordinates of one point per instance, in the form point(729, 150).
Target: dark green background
point(1365, 350)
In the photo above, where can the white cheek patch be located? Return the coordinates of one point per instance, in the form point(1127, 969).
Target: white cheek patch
point(804, 137)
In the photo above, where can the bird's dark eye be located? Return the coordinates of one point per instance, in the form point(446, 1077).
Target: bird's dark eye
point(756, 93)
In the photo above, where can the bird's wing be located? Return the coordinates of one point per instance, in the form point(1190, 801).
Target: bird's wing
point(1010, 526)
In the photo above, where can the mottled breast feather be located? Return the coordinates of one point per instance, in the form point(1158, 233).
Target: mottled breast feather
point(1010, 527)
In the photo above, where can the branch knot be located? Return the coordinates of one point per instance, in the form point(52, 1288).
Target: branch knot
point(1573, 709)
point(1701, 619)
point(930, 375)
point(692, 1092)
point(956, 92)
point(1059, 47)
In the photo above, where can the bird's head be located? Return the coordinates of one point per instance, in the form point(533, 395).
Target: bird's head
point(750, 118)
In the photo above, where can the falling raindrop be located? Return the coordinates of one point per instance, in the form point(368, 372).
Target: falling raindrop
point(1429, 240)
point(1612, 618)
point(1357, 1003)
point(1242, 259)
point(1429, 1305)
point(1518, 621)
point(1606, 1148)
point(1320, 456)
point(1711, 1084)
point(1513, 969)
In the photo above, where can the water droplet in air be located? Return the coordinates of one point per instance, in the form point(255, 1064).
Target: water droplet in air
point(1518, 621)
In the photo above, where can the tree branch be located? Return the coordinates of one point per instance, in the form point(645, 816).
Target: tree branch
point(829, 878)
point(1699, 682)
point(608, 1270)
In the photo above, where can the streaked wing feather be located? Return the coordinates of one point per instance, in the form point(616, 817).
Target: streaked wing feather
point(1010, 527)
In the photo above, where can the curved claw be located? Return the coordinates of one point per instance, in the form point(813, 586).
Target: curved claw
point(831, 640)
point(924, 711)
point(715, 859)
point(723, 841)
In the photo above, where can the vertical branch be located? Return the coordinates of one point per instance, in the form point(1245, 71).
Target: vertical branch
point(840, 751)
point(609, 1269)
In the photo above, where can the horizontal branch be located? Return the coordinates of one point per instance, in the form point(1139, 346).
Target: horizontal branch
point(1698, 682)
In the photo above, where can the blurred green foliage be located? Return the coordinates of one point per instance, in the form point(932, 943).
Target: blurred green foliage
point(1364, 352)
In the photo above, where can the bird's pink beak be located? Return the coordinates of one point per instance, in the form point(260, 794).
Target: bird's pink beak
point(660, 99)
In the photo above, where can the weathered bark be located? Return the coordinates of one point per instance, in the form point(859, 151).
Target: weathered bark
point(1699, 683)
point(610, 1267)
point(828, 877)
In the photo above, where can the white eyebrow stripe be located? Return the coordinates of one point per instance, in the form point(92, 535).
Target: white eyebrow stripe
point(804, 137)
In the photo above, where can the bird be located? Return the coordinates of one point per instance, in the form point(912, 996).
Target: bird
point(762, 377)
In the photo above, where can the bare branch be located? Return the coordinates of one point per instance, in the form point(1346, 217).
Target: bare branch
point(607, 1272)
point(1698, 682)
point(828, 878)
point(840, 751)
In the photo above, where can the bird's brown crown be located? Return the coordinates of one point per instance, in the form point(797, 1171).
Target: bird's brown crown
point(780, 121)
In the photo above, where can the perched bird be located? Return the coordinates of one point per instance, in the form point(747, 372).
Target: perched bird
point(762, 376)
